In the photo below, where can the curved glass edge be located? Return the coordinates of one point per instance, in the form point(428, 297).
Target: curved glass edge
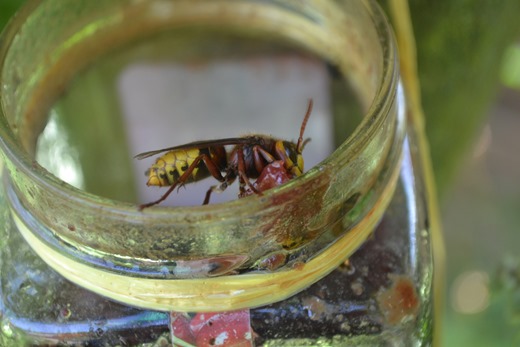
point(210, 294)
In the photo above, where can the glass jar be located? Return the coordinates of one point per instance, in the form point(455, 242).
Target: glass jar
point(339, 255)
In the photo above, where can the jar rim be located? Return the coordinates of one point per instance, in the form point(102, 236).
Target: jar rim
point(315, 181)
point(369, 122)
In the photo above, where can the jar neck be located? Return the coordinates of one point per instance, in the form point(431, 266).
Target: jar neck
point(316, 220)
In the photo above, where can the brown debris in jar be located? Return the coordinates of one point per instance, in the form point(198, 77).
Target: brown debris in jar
point(400, 302)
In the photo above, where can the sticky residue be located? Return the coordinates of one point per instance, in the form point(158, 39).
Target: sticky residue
point(399, 302)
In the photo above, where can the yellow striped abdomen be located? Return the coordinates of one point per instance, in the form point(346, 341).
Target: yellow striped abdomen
point(170, 166)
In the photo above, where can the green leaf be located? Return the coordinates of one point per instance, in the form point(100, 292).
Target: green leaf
point(7, 9)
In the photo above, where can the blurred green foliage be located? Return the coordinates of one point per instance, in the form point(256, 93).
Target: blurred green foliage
point(460, 46)
point(510, 72)
point(7, 9)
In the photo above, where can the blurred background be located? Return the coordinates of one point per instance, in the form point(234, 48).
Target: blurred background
point(468, 53)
